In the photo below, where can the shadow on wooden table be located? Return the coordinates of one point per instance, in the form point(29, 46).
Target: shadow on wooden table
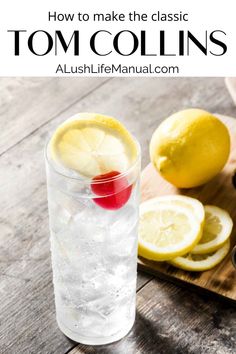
point(144, 337)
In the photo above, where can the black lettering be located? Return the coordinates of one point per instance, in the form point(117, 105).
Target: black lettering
point(116, 42)
point(59, 69)
point(218, 42)
point(31, 39)
point(17, 41)
point(143, 44)
point(162, 44)
point(191, 37)
point(92, 43)
point(181, 42)
point(65, 46)
point(52, 16)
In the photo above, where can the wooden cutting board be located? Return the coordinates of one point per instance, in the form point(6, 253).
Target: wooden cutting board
point(221, 280)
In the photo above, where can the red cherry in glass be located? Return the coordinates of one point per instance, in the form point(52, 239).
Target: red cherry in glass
point(114, 193)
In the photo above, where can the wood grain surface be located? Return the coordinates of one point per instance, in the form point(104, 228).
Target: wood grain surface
point(221, 280)
point(30, 108)
point(170, 320)
point(28, 103)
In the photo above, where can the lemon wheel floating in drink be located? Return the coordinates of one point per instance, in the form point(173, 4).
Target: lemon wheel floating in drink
point(100, 148)
point(93, 144)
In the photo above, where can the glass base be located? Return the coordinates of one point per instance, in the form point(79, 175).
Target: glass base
point(94, 340)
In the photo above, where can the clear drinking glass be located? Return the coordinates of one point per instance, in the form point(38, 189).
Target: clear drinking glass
point(94, 254)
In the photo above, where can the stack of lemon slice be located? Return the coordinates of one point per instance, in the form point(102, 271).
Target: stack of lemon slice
point(180, 230)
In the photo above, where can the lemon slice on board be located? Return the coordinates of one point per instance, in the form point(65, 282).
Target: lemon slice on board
point(217, 229)
point(166, 230)
point(93, 144)
point(193, 204)
point(201, 262)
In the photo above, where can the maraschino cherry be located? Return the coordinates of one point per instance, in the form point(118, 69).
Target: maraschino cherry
point(113, 193)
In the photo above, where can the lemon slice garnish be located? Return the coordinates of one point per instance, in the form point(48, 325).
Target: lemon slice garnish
point(201, 262)
point(217, 229)
point(167, 230)
point(93, 144)
point(193, 204)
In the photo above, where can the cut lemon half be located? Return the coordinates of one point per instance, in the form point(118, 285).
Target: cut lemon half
point(93, 144)
point(166, 230)
point(193, 204)
point(201, 262)
point(217, 229)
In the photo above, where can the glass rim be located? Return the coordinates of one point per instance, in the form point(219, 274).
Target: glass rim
point(90, 180)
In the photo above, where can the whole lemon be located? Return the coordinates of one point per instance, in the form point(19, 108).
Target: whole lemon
point(190, 147)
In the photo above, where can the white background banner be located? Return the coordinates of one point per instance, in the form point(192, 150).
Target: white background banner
point(125, 38)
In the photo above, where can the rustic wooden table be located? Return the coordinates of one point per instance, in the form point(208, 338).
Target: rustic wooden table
point(169, 319)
